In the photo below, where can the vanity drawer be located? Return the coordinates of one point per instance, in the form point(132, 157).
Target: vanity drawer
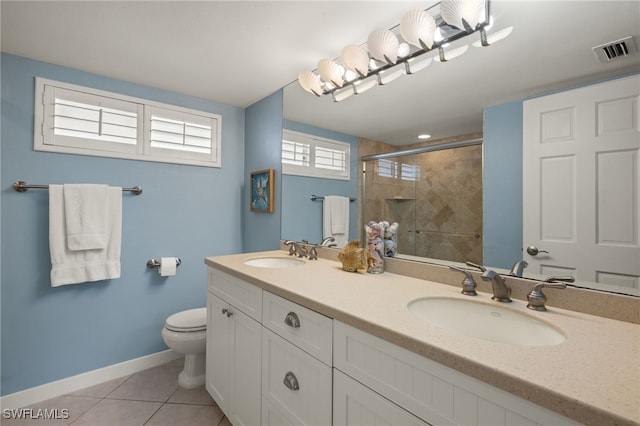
point(309, 330)
point(294, 384)
point(242, 295)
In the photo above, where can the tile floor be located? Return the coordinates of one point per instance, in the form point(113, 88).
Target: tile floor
point(150, 398)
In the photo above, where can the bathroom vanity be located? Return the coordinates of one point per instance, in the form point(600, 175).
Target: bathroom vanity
point(307, 343)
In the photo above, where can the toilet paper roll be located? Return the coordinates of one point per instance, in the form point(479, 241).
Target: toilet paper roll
point(167, 266)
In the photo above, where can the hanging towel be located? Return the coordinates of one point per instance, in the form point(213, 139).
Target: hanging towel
point(85, 212)
point(79, 266)
point(335, 219)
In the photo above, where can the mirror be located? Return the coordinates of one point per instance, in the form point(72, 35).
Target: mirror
point(448, 100)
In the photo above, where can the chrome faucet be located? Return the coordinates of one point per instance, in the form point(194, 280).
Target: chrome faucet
point(537, 298)
point(501, 291)
point(296, 248)
point(328, 242)
point(518, 267)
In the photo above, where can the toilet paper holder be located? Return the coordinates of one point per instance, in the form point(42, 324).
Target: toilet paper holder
point(153, 263)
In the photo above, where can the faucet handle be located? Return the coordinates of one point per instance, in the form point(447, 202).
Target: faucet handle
point(475, 265)
point(313, 253)
point(468, 283)
point(537, 299)
point(292, 247)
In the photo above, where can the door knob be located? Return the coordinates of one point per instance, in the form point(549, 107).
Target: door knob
point(533, 251)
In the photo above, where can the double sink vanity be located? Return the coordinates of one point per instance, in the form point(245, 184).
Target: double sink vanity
point(298, 341)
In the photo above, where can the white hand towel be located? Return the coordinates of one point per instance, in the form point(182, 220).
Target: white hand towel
point(335, 219)
point(79, 266)
point(85, 211)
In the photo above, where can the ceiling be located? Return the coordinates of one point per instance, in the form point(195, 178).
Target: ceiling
point(238, 52)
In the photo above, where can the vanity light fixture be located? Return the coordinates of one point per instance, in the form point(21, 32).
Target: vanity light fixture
point(403, 49)
point(450, 54)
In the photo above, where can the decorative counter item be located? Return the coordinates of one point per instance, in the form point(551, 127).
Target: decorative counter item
point(353, 257)
point(390, 239)
point(375, 247)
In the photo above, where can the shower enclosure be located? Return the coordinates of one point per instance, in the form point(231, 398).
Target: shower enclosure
point(435, 195)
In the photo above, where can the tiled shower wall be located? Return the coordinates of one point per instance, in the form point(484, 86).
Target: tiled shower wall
point(440, 212)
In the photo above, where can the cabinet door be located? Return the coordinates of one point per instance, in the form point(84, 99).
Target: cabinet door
point(272, 417)
point(218, 351)
point(245, 369)
point(294, 382)
point(357, 405)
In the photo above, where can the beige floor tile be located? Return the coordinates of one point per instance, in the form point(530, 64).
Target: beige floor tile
point(198, 396)
point(186, 415)
point(101, 390)
point(57, 411)
point(177, 362)
point(155, 384)
point(113, 412)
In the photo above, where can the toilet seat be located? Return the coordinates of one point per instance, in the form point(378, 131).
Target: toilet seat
point(188, 321)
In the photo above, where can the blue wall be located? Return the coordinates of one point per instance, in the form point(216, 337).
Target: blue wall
point(186, 211)
point(263, 145)
point(502, 184)
point(301, 217)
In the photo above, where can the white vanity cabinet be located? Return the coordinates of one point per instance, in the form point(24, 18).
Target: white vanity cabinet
point(357, 405)
point(296, 364)
point(233, 367)
point(428, 390)
point(271, 361)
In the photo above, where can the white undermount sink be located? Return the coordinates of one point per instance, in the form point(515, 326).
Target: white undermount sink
point(488, 321)
point(274, 262)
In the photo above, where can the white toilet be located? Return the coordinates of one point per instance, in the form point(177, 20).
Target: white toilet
point(185, 333)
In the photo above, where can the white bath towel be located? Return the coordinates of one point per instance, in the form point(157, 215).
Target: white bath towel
point(85, 212)
point(79, 266)
point(335, 219)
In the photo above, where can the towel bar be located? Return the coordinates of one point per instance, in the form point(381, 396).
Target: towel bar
point(22, 186)
point(320, 198)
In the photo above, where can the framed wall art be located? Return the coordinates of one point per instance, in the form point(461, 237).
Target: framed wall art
point(262, 191)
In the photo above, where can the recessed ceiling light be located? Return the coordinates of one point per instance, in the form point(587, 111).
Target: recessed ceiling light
point(424, 136)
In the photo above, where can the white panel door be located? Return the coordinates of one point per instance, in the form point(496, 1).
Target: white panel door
point(581, 183)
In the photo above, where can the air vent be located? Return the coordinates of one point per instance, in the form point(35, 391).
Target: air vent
point(615, 50)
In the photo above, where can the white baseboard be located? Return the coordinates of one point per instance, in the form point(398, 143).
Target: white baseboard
point(80, 381)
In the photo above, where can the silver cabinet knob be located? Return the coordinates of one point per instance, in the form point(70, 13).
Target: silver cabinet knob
point(292, 320)
point(291, 381)
point(227, 312)
point(533, 251)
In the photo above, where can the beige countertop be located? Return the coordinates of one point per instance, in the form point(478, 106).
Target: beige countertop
point(593, 377)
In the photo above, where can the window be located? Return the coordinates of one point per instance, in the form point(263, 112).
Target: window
point(309, 155)
point(410, 172)
point(78, 120)
point(394, 170)
point(387, 168)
